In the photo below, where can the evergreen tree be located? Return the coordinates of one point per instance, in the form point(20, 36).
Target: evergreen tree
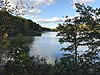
point(83, 30)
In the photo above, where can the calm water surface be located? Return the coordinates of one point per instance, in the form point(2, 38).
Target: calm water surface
point(47, 46)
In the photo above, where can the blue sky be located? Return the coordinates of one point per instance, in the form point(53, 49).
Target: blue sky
point(48, 13)
point(58, 9)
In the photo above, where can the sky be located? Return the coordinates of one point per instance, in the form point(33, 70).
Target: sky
point(49, 13)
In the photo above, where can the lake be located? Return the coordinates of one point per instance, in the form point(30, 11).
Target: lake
point(47, 45)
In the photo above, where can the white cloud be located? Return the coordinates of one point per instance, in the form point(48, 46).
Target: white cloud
point(38, 3)
point(30, 6)
point(82, 1)
point(35, 11)
point(53, 19)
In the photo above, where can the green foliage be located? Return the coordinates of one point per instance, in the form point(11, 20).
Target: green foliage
point(18, 55)
point(16, 25)
point(83, 30)
point(69, 31)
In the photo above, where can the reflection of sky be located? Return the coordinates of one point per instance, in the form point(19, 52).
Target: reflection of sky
point(47, 46)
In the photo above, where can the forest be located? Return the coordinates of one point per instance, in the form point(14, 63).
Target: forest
point(17, 25)
point(80, 31)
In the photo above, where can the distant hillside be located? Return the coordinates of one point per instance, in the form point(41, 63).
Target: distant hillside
point(17, 25)
point(46, 29)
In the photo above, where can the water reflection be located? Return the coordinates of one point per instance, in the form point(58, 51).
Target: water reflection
point(47, 46)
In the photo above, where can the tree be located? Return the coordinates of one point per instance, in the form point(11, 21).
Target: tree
point(11, 25)
point(4, 27)
point(70, 34)
point(91, 18)
point(18, 56)
point(83, 30)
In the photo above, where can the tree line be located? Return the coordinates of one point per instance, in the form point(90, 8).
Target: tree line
point(17, 25)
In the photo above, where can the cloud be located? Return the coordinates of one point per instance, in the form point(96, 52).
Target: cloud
point(82, 1)
point(53, 19)
point(37, 3)
point(30, 6)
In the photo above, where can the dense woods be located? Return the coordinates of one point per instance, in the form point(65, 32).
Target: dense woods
point(18, 25)
point(81, 31)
